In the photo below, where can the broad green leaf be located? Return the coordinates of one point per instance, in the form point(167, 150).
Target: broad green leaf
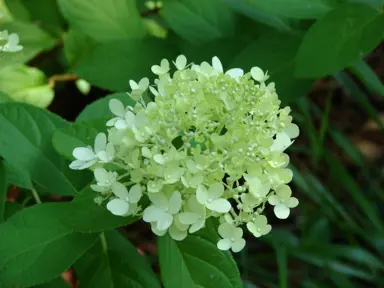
point(56, 283)
point(77, 46)
point(18, 177)
point(196, 262)
point(32, 38)
point(36, 247)
point(104, 20)
point(123, 60)
point(199, 20)
point(30, 10)
point(100, 107)
point(4, 98)
point(27, 145)
point(115, 263)
point(299, 9)
point(3, 189)
point(72, 136)
point(11, 208)
point(280, 23)
point(275, 53)
point(339, 39)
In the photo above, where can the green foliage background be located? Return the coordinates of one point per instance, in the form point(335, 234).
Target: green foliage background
point(336, 237)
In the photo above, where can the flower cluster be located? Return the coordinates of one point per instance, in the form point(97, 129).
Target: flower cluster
point(9, 42)
point(211, 144)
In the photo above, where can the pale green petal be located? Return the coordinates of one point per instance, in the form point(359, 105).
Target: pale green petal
point(237, 233)
point(293, 202)
point(257, 74)
point(158, 199)
point(178, 224)
point(164, 221)
point(284, 192)
point(157, 231)
point(202, 194)
point(216, 190)
point(181, 62)
point(281, 142)
point(116, 107)
point(195, 206)
point(100, 142)
point(235, 73)
point(219, 205)
point(273, 200)
point(152, 214)
point(174, 204)
point(160, 159)
point(188, 218)
point(216, 64)
point(83, 154)
point(101, 189)
point(135, 193)
point(226, 230)
point(120, 190)
point(292, 130)
point(146, 152)
point(177, 234)
point(224, 244)
point(197, 226)
point(238, 245)
point(281, 211)
point(118, 207)
point(254, 229)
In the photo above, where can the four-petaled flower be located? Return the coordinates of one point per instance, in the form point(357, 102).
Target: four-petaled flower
point(232, 238)
point(211, 198)
point(126, 202)
point(86, 156)
point(259, 226)
point(283, 201)
point(194, 215)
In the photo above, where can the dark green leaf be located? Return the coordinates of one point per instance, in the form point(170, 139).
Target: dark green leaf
point(11, 208)
point(28, 147)
point(18, 177)
point(104, 20)
point(196, 262)
point(4, 98)
point(18, 10)
point(300, 9)
point(339, 39)
point(199, 20)
point(32, 38)
point(77, 46)
point(100, 108)
point(3, 189)
point(72, 136)
point(56, 283)
point(276, 53)
point(278, 22)
point(115, 263)
point(36, 246)
point(123, 60)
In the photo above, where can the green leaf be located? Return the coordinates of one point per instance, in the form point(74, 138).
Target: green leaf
point(115, 263)
point(104, 20)
point(36, 246)
point(4, 98)
point(56, 283)
point(27, 145)
point(3, 189)
point(339, 39)
point(276, 53)
point(100, 107)
point(280, 23)
point(18, 177)
point(11, 208)
point(32, 38)
point(199, 20)
point(367, 76)
point(299, 9)
point(72, 136)
point(30, 10)
point(77, 46)
point(196, 262)
point(123, 60)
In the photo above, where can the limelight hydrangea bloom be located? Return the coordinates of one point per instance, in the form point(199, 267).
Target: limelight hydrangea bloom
point(9, 42)
point(210, 145)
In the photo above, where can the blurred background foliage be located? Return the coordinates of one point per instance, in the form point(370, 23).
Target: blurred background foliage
point(327, 60)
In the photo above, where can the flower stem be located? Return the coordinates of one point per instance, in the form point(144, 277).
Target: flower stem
point(36, 196)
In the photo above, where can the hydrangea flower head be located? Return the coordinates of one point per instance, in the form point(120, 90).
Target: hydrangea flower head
point(211, 144)
point(9, 42)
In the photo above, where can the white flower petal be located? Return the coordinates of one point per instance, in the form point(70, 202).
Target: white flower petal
point(120, 190)
point(202, 194)
point(216, 190)
point(219, 205)
point(235, 73)
point(174, 203)
point(152, 214)
point(226, 230)
point(133, 85)
point(224, 244)
point(79, 164)
point(160, 159)
point(181, 62)
point(188, 218)
point(273, 200)
point(121, 124)
point(281, 142)
point(117, 107)
point(253, 229)
point(292, 130)
point(100, 142)
point(177, 234)
point(118, 207)
point(238, 245)
point(157, 231)
point(101, 189)
point(135, 193)
point(281, 211)
point(159, 199)
point(165, 221)
point(197, 226)
point(83, 154)
point(257, 74)
point(293, 202)
point(216, 64)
